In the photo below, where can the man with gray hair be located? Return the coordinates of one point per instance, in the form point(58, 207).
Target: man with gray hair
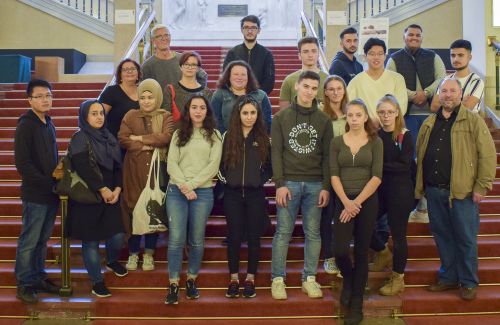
point(456, 137)
point(164, 66)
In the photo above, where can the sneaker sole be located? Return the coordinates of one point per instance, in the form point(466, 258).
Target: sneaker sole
point(117, 274)
point(331, 272)
point(148, 269)
point(192, 298)
point(232, 296)
point(101, 296)
point(172, 303)
point(312, 297)
point(248, 297)
point(280, 298)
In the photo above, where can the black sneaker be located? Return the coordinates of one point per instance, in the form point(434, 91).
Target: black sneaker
point(27, 295)
point(249, 289)
point(173, 295)
point(100, 290)
point(117, 268)
point(191, 290)
point(233, 291)
point(47, 286)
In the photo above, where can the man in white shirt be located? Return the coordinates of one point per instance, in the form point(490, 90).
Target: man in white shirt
point(471, 83)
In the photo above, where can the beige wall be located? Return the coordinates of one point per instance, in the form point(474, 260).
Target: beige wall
point(438, 32)
point(24, 27)
point(489, 98)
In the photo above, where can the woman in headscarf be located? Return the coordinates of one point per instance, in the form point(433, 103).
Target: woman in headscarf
point(95, 156)
point(142, 131)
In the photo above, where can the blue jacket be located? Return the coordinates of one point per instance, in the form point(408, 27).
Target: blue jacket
point(223, 101)
point(343, 67)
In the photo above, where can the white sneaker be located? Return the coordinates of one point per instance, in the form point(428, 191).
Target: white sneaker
point(312, 288)
point(330, 266)
point(132, 262)
point(419, 216)
point(278, 290)
point(148, 263)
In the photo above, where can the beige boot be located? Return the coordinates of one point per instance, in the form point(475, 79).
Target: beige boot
point(395, 285)
point(381, 260)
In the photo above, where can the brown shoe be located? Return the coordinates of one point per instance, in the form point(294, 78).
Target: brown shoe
point(468, 293)
point(441, 286)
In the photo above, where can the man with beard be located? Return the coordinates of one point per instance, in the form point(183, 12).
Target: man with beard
point(164, 66)
point(344, 64)
point(457, 138)
point(472, 85)
point(259, 58)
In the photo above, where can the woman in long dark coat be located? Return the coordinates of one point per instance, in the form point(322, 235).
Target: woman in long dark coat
point(95, 156)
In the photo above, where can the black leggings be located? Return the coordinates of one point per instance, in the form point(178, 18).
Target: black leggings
point(245, 216)
point(326, 231)
point(397, 200)
point(361, 226)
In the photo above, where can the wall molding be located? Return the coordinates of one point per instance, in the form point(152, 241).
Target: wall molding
point(74, 17)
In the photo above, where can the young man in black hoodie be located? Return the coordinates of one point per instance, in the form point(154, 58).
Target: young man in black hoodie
point(344, 64)
point(35, 157)
point(259, 58)
point(301, 136)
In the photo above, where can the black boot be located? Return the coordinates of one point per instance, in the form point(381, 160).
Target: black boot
point(355, 315)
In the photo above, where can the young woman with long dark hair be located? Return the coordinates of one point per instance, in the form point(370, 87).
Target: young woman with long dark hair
point(245, 167)
point(193, 160)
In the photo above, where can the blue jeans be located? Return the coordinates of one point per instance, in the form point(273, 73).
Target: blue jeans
point(187, 218)
point(38, 223)
point(304, 195)
point(150, 240)
point(455, 232)
point(92, 259)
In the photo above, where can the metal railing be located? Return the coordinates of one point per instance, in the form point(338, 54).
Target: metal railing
point(306, 24)
point(357, 9)
point(495, 45)
point(99, 9)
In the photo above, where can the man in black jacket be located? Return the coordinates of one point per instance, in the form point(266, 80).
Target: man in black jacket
point(35, 157)
point(344, 64)
point(259, 58)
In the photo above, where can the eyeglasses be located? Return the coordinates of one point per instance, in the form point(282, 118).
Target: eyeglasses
point(386, 113)
point(338, 90)
point(190, 66)
point(131, 69)
point(374, 54)
point(163, 36)
point(250, 28)
point(40, 97)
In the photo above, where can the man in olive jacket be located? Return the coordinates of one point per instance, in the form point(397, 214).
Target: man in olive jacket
point(456, 162)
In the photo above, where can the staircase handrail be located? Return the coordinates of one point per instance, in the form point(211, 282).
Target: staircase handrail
point(323, 65)
point(139, 36)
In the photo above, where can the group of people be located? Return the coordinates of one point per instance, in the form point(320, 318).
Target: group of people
point(338, 150)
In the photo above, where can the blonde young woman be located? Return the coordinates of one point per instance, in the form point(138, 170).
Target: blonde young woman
point(396, 194)
point(334, 106)
point(142, 131)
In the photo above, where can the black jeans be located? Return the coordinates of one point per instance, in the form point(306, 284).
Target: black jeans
point(396, 198)
point(361, 226)
point(246, 214)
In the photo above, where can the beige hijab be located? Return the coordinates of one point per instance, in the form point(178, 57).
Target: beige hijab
point(156, 115)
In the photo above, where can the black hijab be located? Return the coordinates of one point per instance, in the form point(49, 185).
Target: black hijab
point(104, 145)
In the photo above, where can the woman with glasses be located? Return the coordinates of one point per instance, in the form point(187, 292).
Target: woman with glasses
point(141, 132)
point(396, 194)
point(334, 106)
point(193, 160)
point(190, 63)
point(245, 167)
point(95, 156)
point(238, 80)
point(356, 160)
point(121, 97)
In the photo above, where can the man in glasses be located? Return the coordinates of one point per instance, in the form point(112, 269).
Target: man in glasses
point(164, 66)
point(36, 157)
point(259, 58)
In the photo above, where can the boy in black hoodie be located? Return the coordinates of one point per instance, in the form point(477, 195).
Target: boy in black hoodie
point(344, 64)
point(301, 136)
point(35, 157)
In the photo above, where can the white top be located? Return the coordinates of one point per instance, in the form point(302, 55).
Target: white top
point(472, 85)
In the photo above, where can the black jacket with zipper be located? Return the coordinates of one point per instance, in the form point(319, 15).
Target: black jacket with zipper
point(249, 172)
point(35, 154)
